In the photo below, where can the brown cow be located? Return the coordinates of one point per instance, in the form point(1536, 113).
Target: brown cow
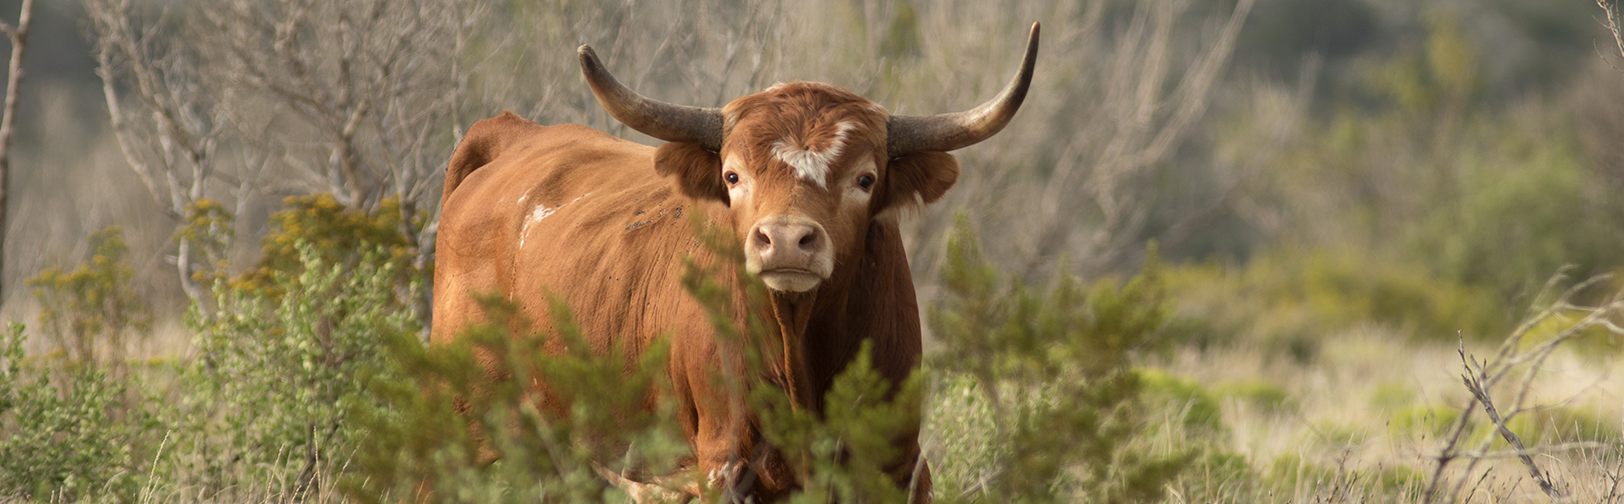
point(809, 177)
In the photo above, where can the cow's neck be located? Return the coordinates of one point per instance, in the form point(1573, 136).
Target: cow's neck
point(868, 297)
point(793, 311)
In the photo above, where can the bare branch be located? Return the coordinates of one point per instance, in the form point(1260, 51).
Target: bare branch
point(1482, 376)
point(1473, 380)
point(170, 139)
point(1610, 7)
point(8, 117)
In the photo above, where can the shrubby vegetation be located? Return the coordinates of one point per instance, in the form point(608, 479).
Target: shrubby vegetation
point(259, 412)
point(321, 376)
point(69, 434)
point(1050, 377)
point(419, 442)
point(1369, 188)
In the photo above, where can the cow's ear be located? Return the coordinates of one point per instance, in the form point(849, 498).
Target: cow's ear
point(919, 178)
point(697, 172)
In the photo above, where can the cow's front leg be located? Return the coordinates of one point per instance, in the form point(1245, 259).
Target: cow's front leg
point(730, 457)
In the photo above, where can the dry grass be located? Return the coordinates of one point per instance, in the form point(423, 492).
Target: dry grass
point(1373, 402)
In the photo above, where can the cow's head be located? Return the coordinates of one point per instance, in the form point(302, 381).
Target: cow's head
point(805, 167)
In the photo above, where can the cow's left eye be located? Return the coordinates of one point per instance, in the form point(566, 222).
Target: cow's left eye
point(866, 181)
point(732, 178)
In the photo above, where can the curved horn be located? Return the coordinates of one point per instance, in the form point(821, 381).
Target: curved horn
point(945, 132)
point(665, 121)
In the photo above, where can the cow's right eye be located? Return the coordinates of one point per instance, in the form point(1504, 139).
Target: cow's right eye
point(732, 178)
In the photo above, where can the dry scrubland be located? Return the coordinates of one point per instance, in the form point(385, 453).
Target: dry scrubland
point(1228, 251)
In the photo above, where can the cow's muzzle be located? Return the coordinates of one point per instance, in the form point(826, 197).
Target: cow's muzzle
point(791, 254)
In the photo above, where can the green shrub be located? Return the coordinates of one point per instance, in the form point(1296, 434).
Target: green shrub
point(1294, 474)
point(961, 441)
point(432, 397)
point(1291, 300)
point(1549, 424)
point(1526, 205)
point(1056, 373)
point(1594, 343)
point(842, 454)
point(1558, 424)
point(1390, 396)
point(1196, 406)
point(93, 312)
point(1221, 476)
point(208, 230)
point(74, 424)
point(1259, 393)
point(266, 399)
point(67, 439)
point(337, 234)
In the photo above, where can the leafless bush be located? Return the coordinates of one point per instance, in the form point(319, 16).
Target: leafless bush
point(1115, 96)
point(171, 138)
point(1516, 365)
point(246, 100)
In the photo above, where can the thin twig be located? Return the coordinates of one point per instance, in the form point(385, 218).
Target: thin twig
point(1473, 380)
point(1450, 450)
point(1613, 478)
point(1610, 7)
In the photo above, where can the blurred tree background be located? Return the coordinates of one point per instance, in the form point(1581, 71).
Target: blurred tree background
point(1470, 140)
point(1315, 174)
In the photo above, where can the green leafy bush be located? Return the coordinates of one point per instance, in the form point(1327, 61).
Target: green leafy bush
point(267, 397)
point(1259, 393)
point(461, 423)
point(67, 439)
point(209, 229)
point(844, 452)
point(1527, 206)
point(1290, 300)
point(92, 312)
point(339, 235)
point(1055, 374)
point(74, 424)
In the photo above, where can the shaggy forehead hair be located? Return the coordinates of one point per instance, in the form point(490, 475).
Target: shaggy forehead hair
point(796, 121)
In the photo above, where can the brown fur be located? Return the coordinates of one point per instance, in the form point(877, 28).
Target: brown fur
point(612, 233)
point(696, 172)
point(921, 177)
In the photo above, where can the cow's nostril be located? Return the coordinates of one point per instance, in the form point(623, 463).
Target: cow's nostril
point(762, 240)
point(809, 240)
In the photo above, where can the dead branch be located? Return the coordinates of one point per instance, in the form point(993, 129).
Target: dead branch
point(8, 117)
point(1482, 376)
point(1473, 380)
point(1610, 7)
point(1613, 477)
point(174, 131)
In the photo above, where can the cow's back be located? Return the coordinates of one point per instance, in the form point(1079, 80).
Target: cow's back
point(531, 211)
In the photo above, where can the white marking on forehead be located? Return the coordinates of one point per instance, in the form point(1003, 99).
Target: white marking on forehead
point(813, 165)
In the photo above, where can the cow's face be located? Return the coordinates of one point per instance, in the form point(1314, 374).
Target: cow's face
point(804, 167)
point(804, 170)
